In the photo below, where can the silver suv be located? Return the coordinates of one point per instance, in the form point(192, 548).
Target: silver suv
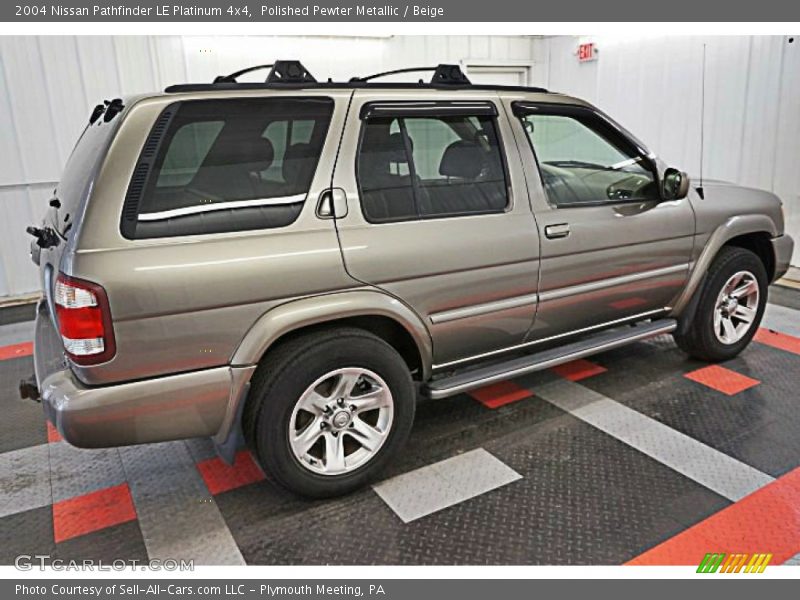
point(291, 263)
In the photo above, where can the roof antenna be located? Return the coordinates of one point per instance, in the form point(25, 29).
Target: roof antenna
point(700, 190)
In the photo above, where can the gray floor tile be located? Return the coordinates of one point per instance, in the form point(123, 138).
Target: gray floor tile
point(77, 471)
point(783, 319)
point(16, 333)
point(24, 480)
point(715, 470)
point(177, 515)
point(435, 487)
point(200, 448)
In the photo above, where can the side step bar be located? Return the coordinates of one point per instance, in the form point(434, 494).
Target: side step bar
point(599, 342)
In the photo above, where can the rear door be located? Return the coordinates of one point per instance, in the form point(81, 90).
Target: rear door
point(611, 249)
point(438, 216)
point(65, 209)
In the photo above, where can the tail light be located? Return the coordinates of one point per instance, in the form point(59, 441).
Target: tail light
point(84, 320)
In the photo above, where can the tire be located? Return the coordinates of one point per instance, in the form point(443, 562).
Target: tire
point(355, 440)
point(707, 337)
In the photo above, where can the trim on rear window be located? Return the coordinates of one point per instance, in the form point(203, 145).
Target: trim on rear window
point(204, 208)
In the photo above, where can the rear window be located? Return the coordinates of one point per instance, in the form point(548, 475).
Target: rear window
point(227, 165)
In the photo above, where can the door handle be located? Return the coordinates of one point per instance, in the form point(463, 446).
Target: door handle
point(332, 204)
point(557, 231)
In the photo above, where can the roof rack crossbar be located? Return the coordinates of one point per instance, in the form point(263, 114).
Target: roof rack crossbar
point(233, 76)
point(392, 72)
point(281, 71)
point(442, 75)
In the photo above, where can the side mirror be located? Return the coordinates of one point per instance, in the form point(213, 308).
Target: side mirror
point(675, 184)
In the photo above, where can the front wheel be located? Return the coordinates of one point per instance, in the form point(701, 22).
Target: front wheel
point(730, 308)
point(328, 411)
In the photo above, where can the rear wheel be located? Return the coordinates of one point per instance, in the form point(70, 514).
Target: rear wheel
point(328, 410)
point(730, 308)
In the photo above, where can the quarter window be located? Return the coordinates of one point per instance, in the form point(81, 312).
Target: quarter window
point(231, 165)
point(584, 162)
point(428, 167)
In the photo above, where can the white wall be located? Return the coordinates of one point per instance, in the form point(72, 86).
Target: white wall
point(49, 84)
point(652, 86)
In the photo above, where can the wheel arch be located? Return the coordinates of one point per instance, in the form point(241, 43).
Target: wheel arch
point(750, 231)
point(759, 244)
point(376, 312)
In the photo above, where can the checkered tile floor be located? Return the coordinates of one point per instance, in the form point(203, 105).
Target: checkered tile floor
point(639, 455)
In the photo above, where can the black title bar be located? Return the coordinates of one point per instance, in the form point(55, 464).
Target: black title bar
point(676, 11)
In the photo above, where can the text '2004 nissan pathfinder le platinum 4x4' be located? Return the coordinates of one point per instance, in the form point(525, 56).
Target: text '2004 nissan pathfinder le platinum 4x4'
point(290, 263)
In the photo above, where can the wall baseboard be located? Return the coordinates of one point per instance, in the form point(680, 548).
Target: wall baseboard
point(31, 298)
point(791, 279)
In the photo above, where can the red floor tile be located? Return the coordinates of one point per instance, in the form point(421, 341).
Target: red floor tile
point(500, 394)
point(92, 512)
point(52, 434)
point(722, 379)
point(778, 340)
point(16, 350)
point(222, 477)
point(766, 521)
point(578, 369)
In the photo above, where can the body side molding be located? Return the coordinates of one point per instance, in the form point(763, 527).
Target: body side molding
point(315, 310)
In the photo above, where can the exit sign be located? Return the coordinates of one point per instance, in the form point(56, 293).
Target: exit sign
point(587, 52)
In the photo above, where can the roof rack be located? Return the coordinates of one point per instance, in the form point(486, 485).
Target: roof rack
point(281, 71)
point(291, 74)
point(442, 75)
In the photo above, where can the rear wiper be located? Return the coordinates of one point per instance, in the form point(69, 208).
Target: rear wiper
point(46, 237)
point(109, 108)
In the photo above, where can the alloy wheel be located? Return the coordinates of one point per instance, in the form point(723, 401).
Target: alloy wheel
point(736, 307)
point(341, 421)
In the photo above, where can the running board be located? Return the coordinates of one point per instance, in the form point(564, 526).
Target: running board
point(599, 342)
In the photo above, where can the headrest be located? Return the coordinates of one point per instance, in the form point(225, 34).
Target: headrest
point(298, 160)
point(463, 159)
point(396, 148)
point(257, 153)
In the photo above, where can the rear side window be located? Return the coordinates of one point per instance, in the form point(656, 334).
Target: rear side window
point(430, 166)
point(226, 165)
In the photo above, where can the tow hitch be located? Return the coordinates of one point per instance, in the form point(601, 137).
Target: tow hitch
point(29, 389)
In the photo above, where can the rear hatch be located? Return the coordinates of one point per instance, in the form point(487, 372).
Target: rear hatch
point(66, 207)
point(60, 227)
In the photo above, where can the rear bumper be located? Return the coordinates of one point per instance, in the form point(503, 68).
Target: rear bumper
point(197, 404)
point(783, 247)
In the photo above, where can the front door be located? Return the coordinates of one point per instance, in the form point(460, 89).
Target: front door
point(438, 216)
point(611, 249)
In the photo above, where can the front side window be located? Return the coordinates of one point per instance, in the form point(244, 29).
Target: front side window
point(232, 165)
point(583, 162)
point(428, 167)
